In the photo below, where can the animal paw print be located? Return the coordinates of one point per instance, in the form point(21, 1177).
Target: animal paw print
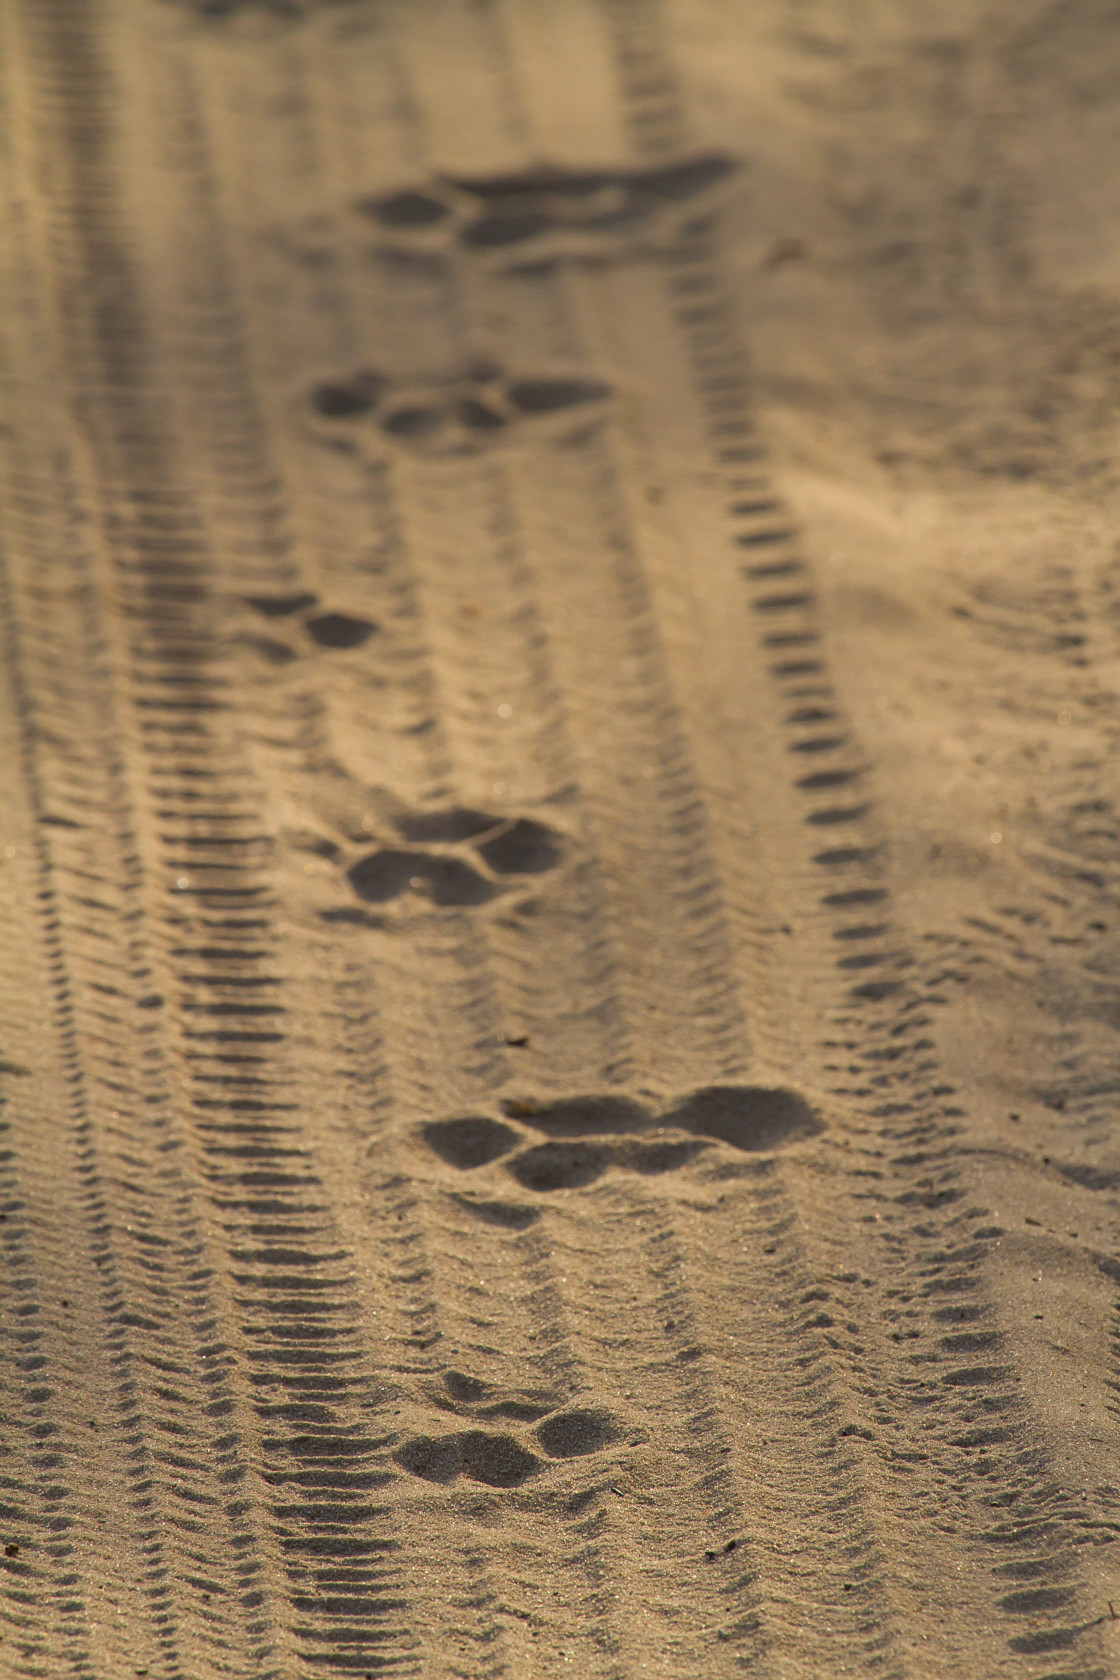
point(289, 11)
point(457, 415)
point(294, 619)
point(457, 858)
point(502, 1458)
point(588, 1136)
point(545, 213)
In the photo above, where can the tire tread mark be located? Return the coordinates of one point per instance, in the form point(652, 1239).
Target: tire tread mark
point(897, 1081)
point(293, 1346)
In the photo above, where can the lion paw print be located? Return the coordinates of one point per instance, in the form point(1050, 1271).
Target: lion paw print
point(544, 213)
point(457, 414)
point(501, 1458)
point(295, 624)
point(453, 859)
point(587, 1136)
point(225, 11)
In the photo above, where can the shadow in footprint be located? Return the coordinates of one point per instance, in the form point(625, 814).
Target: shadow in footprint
point(497, 1460)
point(663, 1156)
point(454, 414)
point(526, 847)
point(480, 416)
point(407, 209)
point(281, 606)
point(485, 1401)
point(561, 1166)
point(339, 630)
point(466, 1389)
point(450, 881)
point(517, 1411)
point(275, 653)
point(434, 1460)
point(474, 1141)
point(414, 420)
point(573, 1434)
point(580, 1116)
point(553, 396)
point(383, 875)
point(346, 399)
point(514, 209)
point(749, 1117)
point(217, 11)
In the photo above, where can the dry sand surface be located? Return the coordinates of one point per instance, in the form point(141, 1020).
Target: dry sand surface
point(559, 874)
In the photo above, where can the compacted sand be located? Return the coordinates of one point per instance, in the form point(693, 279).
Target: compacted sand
point(559, 874)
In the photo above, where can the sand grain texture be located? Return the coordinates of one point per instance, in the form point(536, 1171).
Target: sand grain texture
point(559, 874)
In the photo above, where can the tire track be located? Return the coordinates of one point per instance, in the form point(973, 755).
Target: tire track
point(89, 888)
point(420, 1259)
point(461, 1570)
point(916, 1116)
point(320, 1462)
point(571, 686)
point(574, 688)
point(425, 1294)
point(582, 1383)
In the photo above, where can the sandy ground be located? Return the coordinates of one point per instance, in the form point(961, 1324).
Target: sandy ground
point(559, 877)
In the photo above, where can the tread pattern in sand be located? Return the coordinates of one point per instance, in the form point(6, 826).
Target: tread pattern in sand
point(480, 1193)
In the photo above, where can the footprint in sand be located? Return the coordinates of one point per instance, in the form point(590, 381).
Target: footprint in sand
point(275, 11)
point(501, 1458)
point(588, 1136)
point(584, 1138)
point(461, 413)
point(287, 625)
point(459, 859)
point(543, 215)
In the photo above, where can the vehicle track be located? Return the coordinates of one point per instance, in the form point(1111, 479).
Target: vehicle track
point(481, 1268)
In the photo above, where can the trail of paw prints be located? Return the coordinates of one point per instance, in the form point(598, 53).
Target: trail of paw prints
point(457, 858)
point(503, 1458)
point(283, 627)
point(546, 214)
point(589, 1136)
point(461, 413)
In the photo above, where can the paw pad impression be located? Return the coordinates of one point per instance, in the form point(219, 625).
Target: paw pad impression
point(586, 1136)
point(544, 213)
point(458, 414)
point(290, 616)
point(499, 1458)
point(488, 850)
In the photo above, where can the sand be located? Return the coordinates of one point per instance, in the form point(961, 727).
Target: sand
point(559, 870)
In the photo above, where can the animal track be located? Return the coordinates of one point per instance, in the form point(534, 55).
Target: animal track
point(290, 11)
point(499, 1458)
point(458, 414)
point(333, 630)
point(587, 1136)
point(496, 848)
point(546, 213)
point(747, 1117)
point(470, 1397)
point(561, 1166)
point(472, 1142)
point(449, 880)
